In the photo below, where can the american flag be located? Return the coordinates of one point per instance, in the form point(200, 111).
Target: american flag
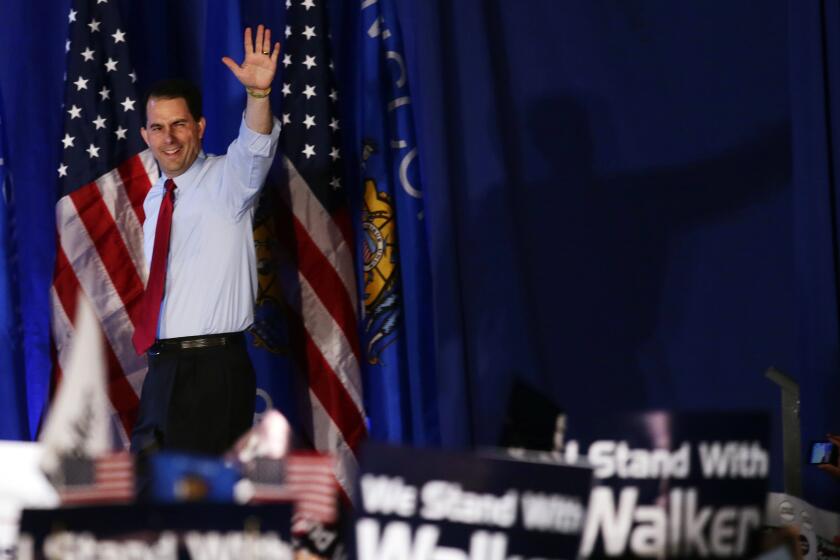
point(104, 177)
point(313, 484)
point(106, 479)
point(321, 289)
point(306, 479)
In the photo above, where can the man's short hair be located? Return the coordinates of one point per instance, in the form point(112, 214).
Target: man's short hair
point(175, 88)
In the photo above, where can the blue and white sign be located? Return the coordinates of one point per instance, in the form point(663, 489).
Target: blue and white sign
point(672, 485)
point(164, 532)
point(422, 504)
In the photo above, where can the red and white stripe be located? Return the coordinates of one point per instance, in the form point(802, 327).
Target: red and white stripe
point(113, 482)
point(100, 252)
point(324, 285)
point(310, 484)
point(311, 479)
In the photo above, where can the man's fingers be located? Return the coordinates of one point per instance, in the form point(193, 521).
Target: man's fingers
point(276, 54)
point(266, 44)
point(258, 45)
point(233, 66)
point(249, 44)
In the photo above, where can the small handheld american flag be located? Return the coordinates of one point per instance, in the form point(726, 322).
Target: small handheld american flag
point(305, 478)
point(107, 479)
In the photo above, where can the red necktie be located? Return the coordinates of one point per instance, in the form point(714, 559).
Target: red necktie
point(146, 331)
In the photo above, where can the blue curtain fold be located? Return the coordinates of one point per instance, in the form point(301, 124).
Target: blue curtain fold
point(31, 75)
point(815, 107)
point(13, 412)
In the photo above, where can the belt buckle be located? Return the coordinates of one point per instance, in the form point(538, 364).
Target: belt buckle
point(204, 342)
point(190, 344)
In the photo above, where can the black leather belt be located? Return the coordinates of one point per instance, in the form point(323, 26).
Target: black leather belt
point(196, 342)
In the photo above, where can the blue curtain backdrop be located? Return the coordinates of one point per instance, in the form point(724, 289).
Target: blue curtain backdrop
point(13, 420)
point(628, 204)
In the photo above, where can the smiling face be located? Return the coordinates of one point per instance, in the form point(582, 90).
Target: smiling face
point(172, 133)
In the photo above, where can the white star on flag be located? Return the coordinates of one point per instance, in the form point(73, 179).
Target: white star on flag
point(288, 31)
point(94, 25)
point(308, 4)
point(308, 150)
point(71, 17)
point(334, 154)
point(120, 132)
point(309, 91)
point(87, 54)
point(68, 141)
point(309, 32)
point(80, 84)
point(93, 151)
point(334, 124)
point(287, 119)
point(128, 104)
point(287, 90)
point(111, 65)
point(99, 122)
point(309, 62)
point(74, 112)
point(62, 170)
point(287, 59)
point(335, 183)
point(119, 36)
point(104, 93)
point(309, 121)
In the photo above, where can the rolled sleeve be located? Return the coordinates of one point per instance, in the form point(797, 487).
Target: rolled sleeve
point(247, 163)
point(259, 144)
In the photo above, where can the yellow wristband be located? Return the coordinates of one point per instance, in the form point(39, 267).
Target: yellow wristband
point(256, 95)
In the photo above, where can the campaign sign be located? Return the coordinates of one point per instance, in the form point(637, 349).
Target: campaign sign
point(159, 532)
point(672, 485)
point(419, 504)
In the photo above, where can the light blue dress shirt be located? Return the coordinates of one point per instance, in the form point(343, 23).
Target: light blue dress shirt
point(211, 275)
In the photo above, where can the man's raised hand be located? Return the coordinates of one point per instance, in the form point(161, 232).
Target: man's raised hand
point(257, 70)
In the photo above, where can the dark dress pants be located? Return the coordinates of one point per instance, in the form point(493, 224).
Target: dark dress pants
point(197, 400)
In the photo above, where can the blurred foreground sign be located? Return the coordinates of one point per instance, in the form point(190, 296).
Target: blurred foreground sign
point(162, 532)
point(424, 504)
point(672, 485)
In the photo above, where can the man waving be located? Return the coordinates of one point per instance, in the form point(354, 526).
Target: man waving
point(199, 391)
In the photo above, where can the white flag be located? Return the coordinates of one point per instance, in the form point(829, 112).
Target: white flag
point(79, 421)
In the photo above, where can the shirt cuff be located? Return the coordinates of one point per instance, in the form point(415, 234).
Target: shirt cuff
point(256, 143)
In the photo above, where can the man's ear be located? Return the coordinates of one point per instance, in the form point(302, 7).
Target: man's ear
point(202, 123)
point(144, 134)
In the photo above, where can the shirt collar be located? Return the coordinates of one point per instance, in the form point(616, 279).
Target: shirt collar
point(187, 179)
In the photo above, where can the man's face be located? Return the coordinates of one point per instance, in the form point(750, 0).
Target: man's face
point(173, 135)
